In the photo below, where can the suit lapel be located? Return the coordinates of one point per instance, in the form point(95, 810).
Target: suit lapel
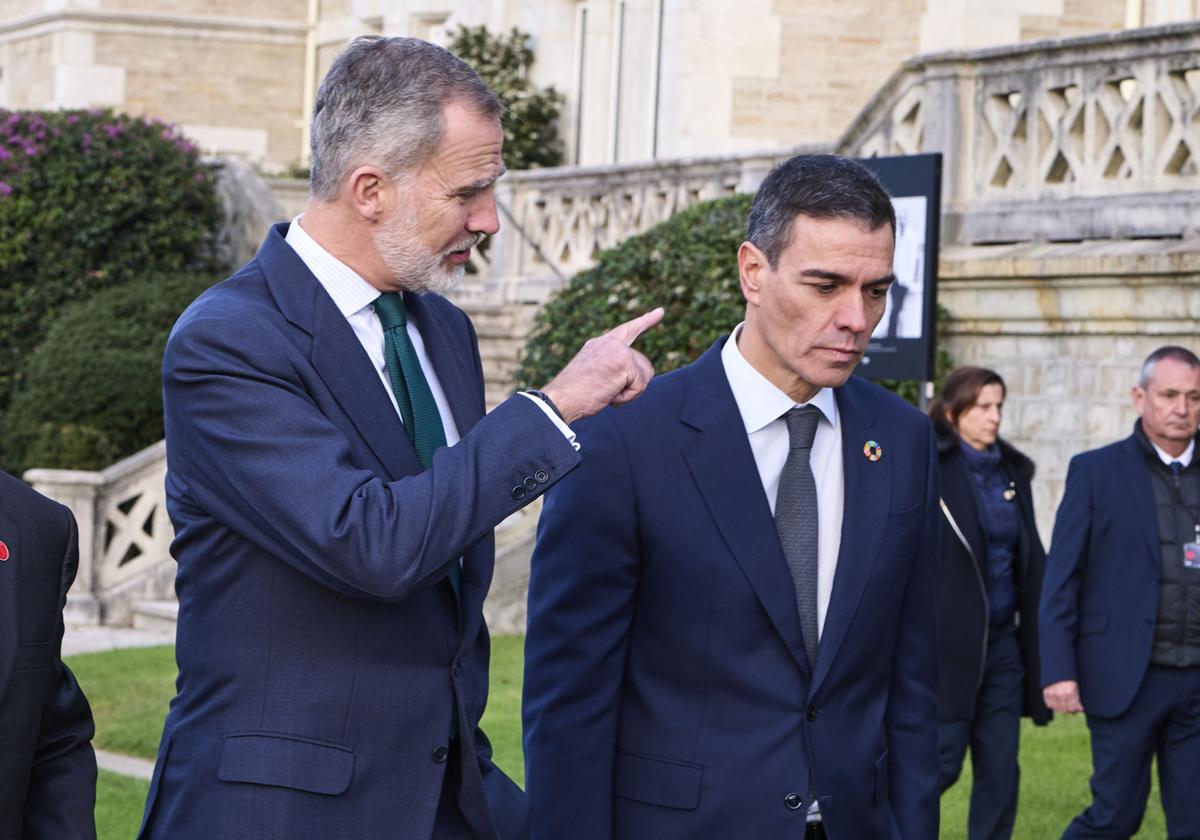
point(10, 535)
point(867, 494)
point(1140, 491)
point(722, 465)
point(337, 355)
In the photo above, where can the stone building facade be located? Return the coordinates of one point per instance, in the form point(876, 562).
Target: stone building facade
point(643, 79)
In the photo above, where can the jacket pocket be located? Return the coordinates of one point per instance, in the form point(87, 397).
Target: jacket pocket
point(1094, 623)
point(881, 777)
point(657, 781)
point(286, 761)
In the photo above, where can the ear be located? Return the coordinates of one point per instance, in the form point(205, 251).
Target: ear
point(751, 264)
point(1139, 399)
point(371, 192)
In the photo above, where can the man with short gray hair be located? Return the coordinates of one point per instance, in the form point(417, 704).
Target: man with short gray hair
point(334, 480)
point(1120, 612)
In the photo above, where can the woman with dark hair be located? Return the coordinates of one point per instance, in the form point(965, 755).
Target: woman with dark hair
point(990, 578)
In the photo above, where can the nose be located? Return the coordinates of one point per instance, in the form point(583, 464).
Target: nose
point(482, 216)
point(852, 314)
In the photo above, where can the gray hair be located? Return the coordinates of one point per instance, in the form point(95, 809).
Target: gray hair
point(1171, 351)
point(382, 102)
point(819, 186)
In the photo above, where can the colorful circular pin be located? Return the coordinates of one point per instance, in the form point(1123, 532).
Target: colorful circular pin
point(3, 552)
point(872, 450)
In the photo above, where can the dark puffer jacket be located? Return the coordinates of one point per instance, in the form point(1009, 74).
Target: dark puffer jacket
point(962, 596)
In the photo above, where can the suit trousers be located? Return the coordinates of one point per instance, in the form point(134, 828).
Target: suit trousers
point(1163, 720)
point(993, 736)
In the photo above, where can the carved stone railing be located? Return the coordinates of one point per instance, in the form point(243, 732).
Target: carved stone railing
point(124, 533)
point(555, 221)
point(1085, 138)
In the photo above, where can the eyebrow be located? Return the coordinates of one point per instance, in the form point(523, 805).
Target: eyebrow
point(477, 186)
point(835, 277)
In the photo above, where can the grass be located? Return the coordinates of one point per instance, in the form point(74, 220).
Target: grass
point(129, 691)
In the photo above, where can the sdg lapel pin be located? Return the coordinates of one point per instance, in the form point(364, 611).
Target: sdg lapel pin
point(872, 450)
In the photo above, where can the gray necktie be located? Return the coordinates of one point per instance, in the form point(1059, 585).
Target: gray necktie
point(796, 520)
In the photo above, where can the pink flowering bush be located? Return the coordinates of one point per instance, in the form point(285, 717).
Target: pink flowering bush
point(89, 200)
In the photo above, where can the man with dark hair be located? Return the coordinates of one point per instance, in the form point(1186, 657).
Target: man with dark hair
point(47, 767)
point(731, 612)
point(1120, 612)
point(333, 481)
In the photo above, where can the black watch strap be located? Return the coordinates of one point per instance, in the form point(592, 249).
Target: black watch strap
point(541, 395)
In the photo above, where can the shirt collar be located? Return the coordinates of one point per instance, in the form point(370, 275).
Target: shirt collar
point(350, 292)
point(758, 400)
point(1185, 458)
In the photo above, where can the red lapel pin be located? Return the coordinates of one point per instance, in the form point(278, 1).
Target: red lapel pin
point(3, 551)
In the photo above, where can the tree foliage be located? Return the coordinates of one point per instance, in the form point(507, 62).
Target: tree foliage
point(531, 137)
point(89, 200)
point(92, 390)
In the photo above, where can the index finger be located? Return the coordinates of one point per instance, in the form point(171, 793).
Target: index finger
point(630, 330)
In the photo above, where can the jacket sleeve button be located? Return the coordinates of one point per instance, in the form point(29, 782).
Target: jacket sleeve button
point(519, 492)
point(793, 801)
point(541, 476)
point(530, 484)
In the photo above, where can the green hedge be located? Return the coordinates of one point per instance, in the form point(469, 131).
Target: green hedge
point(688, 265)
point(89, 200)
point(92, 392)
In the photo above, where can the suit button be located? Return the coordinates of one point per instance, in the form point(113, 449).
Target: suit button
point(812, 713)
point(440, 754)
point(530, 484)
point(793, 801)
point(541, 476)
point(519, 493)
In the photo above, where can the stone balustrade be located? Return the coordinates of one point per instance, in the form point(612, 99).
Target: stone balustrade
point(124, 533)
point(1088, 138)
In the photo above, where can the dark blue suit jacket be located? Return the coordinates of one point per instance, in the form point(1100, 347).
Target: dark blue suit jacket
point(47, 767)
point(1100, 597)
point(667, 690)
point(321, 649)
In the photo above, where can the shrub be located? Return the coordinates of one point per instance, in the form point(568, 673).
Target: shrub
point(92, 390)
point(88, 200)
point(531, 136)
point(687, 265)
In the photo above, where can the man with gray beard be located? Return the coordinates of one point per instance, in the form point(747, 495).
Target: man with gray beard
point(334, 480)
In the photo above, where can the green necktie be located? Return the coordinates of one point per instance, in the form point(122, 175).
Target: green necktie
point(418, 409)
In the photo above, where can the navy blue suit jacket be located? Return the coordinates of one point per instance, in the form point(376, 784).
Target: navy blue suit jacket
point(1100, 597)
point(667, 689)
point(321, 649)
point(47, 767)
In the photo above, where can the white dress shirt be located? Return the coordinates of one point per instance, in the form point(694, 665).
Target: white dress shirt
point(762, 406)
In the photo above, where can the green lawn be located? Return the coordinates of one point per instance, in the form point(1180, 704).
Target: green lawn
point(129, 691)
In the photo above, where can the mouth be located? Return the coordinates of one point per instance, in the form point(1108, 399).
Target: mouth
point(841, 354)
point(460, 253)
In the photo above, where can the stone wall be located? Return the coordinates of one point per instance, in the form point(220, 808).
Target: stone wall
point(224, 92)
point(1068, 326)
point(28, 66)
